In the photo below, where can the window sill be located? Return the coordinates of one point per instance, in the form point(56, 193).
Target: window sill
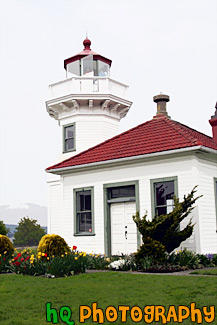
point(84, 234)
point(65, 151)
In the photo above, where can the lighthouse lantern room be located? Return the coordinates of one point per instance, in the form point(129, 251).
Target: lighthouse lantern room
point(88, 104)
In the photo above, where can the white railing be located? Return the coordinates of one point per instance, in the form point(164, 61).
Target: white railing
point(88, 85)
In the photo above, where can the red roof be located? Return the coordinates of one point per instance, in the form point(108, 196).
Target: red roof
point(156, 135)
point(86, 51)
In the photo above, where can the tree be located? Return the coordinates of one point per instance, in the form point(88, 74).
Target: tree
point(28, 232)
point(3, 229)
point(163, 234)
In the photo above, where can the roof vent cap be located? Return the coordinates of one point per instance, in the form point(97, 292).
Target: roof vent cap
point(161, 101)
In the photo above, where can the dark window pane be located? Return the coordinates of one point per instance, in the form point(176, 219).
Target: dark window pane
point(84, 213)
point(161, 210)
point(69, 144)
point(84, 222)
point(69, 132)
point(164, 191)
point(87, 202)
point(122, 191)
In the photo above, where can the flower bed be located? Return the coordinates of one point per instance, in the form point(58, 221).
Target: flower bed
point(35, 263)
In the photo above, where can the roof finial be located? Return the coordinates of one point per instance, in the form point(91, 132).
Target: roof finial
point(87, 43)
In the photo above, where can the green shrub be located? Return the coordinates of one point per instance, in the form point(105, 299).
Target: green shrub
point(184, 258)
point(162, 234)
point(5, 245)
point(3, 230)
point(53, 245)
point(151, 248)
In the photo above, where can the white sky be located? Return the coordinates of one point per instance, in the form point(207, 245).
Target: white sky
point(155, 45)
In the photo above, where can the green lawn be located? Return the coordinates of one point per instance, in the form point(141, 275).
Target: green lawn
point(23, 298)
point(206, 272)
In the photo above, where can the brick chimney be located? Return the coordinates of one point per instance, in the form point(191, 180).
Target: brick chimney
point(161, 101)
point(213, 123)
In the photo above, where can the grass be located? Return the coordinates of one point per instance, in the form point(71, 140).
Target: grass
point(206, 272)
point(23, 298)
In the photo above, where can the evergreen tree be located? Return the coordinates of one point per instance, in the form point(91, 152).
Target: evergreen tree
point(28, 233)
point(3, 229)
point(163, 234)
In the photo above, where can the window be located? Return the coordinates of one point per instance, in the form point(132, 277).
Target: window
point(84, 211)
point(122, 191)
point(163, 191)
point(69, 138)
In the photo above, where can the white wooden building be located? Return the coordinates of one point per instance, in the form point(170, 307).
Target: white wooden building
point(102, 178)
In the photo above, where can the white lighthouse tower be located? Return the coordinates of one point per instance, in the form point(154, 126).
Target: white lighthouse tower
point(88, 104)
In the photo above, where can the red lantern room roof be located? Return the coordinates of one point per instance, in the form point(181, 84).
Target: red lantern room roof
point(87, 51)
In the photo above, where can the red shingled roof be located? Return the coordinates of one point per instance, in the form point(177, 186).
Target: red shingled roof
point(156, 135)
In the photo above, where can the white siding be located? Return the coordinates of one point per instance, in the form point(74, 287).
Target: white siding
point(190, 171)
point(207, 173)
point(183, 168)
point(90, 131)
point(54, 210)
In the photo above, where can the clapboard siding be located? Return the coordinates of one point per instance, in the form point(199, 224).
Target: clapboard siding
point(190, 171)
point(142, 172)
point(54, 211)
point(207, 173)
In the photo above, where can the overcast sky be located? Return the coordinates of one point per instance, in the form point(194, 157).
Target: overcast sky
point(167, 46)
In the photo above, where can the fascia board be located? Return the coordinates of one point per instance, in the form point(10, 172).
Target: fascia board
point(65, 170)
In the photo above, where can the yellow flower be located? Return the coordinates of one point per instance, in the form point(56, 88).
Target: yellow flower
point(32, 256)
point(43, 254)
point(48, 258)
point(76, 253)
point(12, 255)
point(39, 256)
point(76, 258)
point(90, 254)
point(12, 260)
point(39, 253)
point(97, 255)
point(31, 261)
point(80, 253)
point(5, 252)
point(53, 256)
point(62, 255)
point(66, 253)
point(0, 255)
point(84, 254)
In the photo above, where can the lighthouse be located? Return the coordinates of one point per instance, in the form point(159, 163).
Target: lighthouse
point(88, 104)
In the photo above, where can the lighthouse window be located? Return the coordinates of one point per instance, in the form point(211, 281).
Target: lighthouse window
point(69, 138)
point(73, 69)
point(103, 69)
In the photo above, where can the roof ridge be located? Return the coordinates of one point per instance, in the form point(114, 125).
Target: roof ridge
point(181, 131)
point(188, 127)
